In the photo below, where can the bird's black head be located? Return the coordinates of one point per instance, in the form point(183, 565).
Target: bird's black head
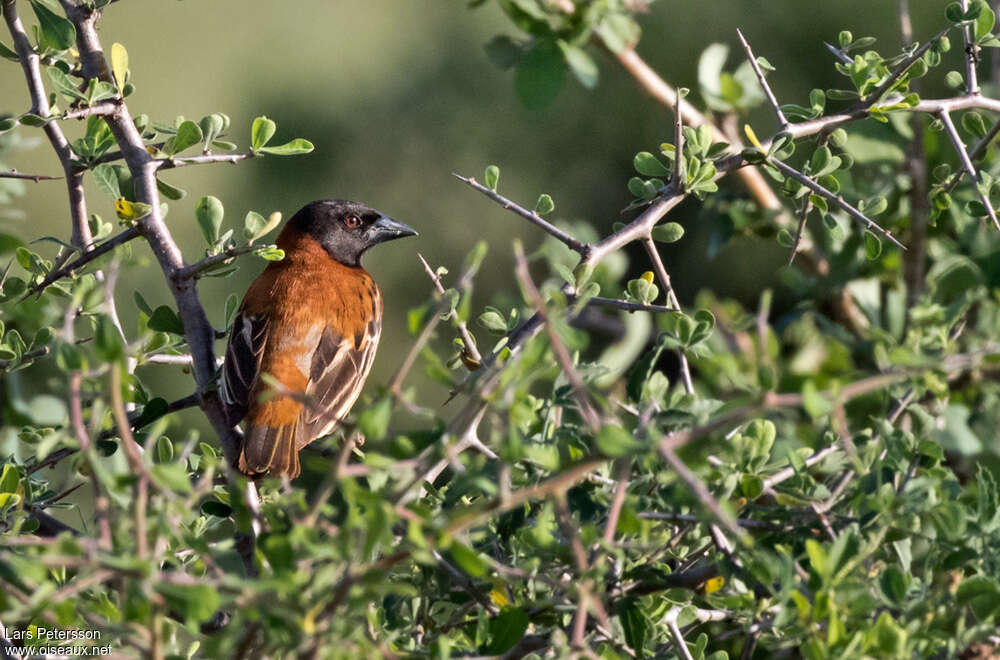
point(346, 229)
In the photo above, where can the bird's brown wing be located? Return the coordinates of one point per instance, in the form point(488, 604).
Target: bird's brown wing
point(241, 369)
point(338, 371)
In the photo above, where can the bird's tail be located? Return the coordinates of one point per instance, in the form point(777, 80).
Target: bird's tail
point(270, 451)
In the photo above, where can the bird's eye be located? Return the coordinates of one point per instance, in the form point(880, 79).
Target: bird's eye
point(352, 221)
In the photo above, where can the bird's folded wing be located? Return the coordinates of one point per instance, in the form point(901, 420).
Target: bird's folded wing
point(241, 369)
point(338, 371)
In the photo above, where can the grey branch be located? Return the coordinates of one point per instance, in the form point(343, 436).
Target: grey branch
point(195, 270)
point(587, 411)
point(839, 201)
point(970, 169)
point(14, 174)
point(204, 159)
point(530, 216)
point(839, 54)
point(464, 281)
point(99, 110)
point(901, 69)
point(85, 258)
point(971, 51)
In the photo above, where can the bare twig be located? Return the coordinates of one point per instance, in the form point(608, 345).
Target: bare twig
point(99, 250)
point(664, 277)
point(782, 120)
point(903, 66)
point(970, 169)
point(587, 412)
point(839, 201)
point(464, 281)
point(530, 216)
point(14, 174)
point(195, 270)
point(99, 110)
point(204, 159)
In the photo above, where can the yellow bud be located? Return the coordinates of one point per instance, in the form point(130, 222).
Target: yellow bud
point(714, 584)
point(752, 137)
point(648, 276)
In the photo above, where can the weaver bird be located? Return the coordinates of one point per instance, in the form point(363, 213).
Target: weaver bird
point(305, 336)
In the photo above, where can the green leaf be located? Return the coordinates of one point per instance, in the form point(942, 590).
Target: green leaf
point(107, 180)
point(506, 629)
point(293, 148)
point(817, 557)
point(669, 232)
point(580, 63)
point(9, 479)
point(544, 204)
point(492, 177)
point(270, 253)
point(613, 440)
point(195, 602)
point(108, 342)
point(468, 559)
point(164, 319)
point(8, 54)
point(209, 212)
point(63, 83)
point(984, 21)
point(493, 321)
point(373, 422)
point(169, 191)
point(57, 31)
point(649, 165)
point(171, 476)
point(893, 584)
point(873, 246)
point(119, 64)
point(188, 135)
point(974, 124)
point(540, 75)
point(261, 132)
point(634, 624)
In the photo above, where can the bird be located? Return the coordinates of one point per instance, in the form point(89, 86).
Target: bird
point(304, 338)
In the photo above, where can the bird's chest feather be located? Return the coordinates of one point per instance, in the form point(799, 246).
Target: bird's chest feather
point(304, 296)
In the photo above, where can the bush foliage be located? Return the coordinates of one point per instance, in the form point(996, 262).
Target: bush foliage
point(618, 475)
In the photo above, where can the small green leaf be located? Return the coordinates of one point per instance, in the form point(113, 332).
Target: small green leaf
point(164, 319)
point(9, 479)
point(468, 559)
point(196, 602)
point(261, 132)
point(270, 253)
point(506, 629)
point(540, 74)
point(209, 212)
point(984, 21)
point(613, 440)
point(107, 180)
point(544, 204)
point(492, 177)
point(493, 321)
point(292, 148)
point(57, 31)
point(669, 232)
point(188, 135)
point(649, 165)
point(580, 63)
point(974, 124)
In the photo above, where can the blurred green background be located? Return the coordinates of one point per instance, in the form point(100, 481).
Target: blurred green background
point(397, 95)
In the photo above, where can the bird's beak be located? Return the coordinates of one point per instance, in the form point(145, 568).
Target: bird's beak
point(386, 229)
